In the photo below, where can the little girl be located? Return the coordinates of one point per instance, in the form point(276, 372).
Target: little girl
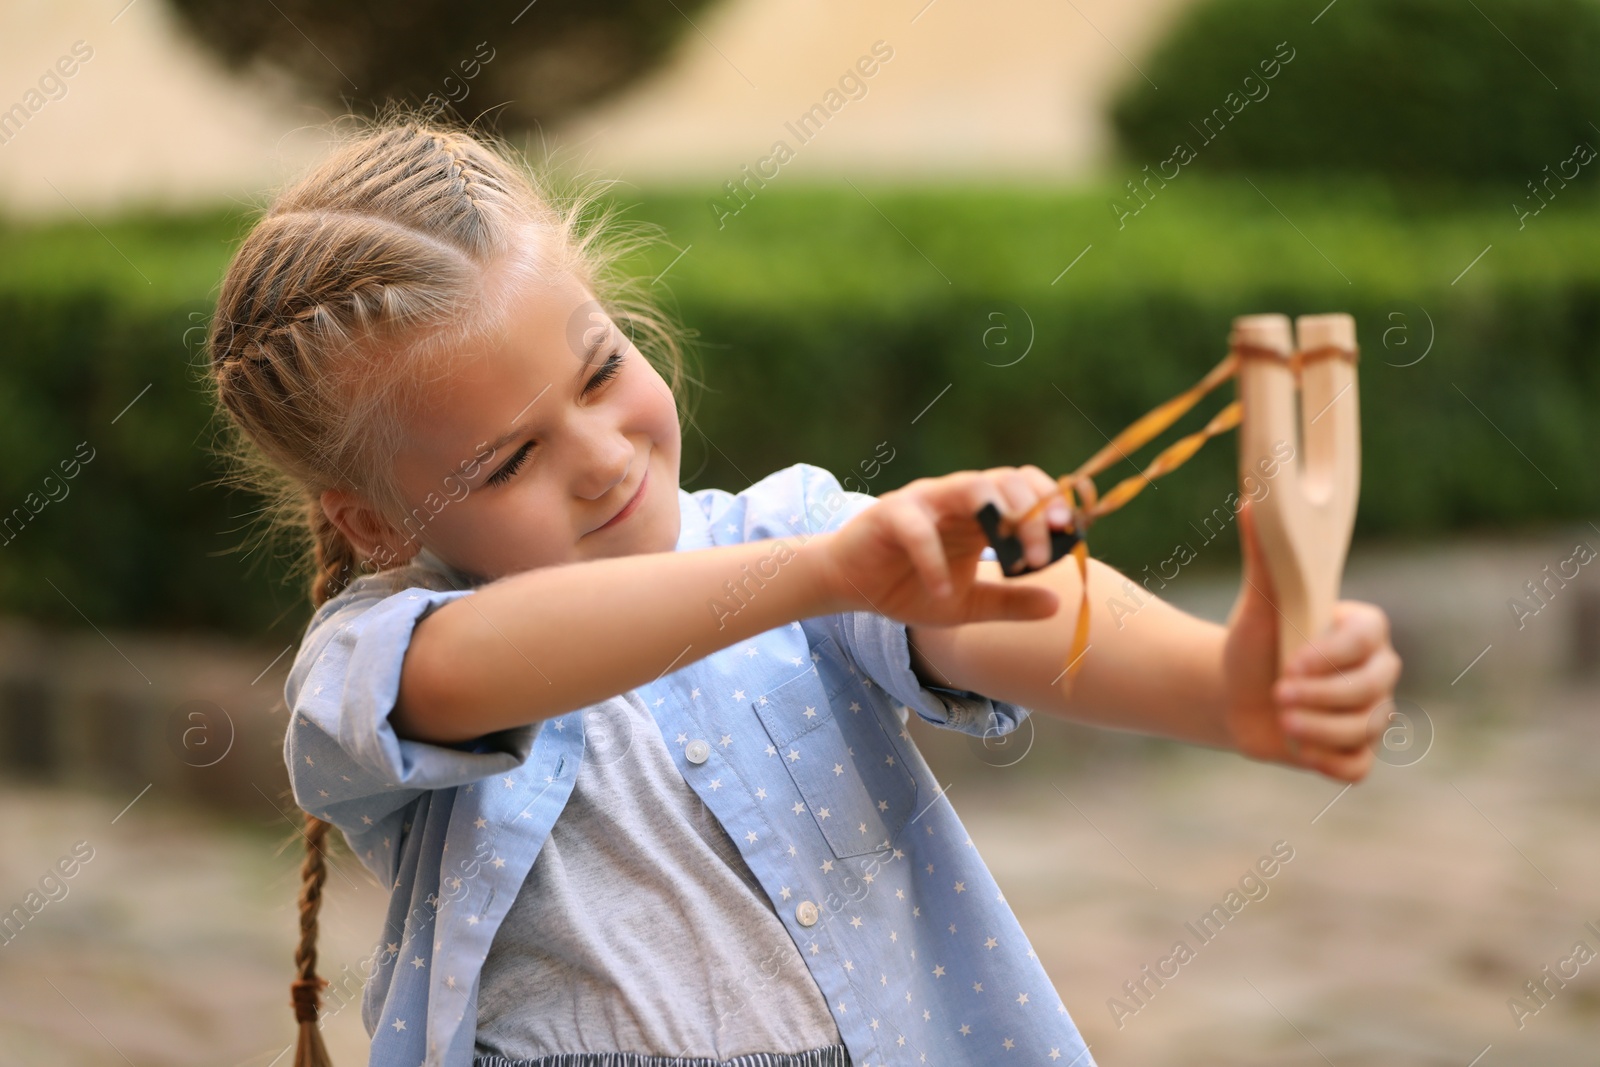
point(633, 760)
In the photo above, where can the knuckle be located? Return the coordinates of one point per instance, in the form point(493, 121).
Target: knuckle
point(1381, 619)
point(1393, 664)
point(978, 483)
point(1046, 483)
point(1371, 619)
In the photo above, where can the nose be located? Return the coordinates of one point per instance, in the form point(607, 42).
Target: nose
point(604, 460)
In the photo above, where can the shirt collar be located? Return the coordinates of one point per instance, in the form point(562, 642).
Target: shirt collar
point(426, 558)
point(695, 528)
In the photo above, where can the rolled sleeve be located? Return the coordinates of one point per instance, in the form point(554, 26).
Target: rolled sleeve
point(880, 644)
point(881, 647)
point(341, 749)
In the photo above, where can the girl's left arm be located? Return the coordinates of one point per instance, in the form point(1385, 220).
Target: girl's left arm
point(1153, 668)
point(1149, 667)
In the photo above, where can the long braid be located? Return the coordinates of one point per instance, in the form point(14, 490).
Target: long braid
point(305, 992)
point(356, 276)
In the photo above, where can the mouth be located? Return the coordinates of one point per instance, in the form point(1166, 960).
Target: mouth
point(631, 506)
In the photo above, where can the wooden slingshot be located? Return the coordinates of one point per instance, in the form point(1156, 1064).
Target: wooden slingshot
point(1305, 518)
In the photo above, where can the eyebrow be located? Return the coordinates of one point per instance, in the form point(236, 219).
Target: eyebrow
point(585, 364)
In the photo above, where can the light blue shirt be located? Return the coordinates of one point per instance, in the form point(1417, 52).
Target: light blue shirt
point(795, 739)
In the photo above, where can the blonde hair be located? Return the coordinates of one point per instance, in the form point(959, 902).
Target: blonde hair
point(344, 301)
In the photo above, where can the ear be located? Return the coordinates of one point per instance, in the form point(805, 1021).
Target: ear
point(369, 533)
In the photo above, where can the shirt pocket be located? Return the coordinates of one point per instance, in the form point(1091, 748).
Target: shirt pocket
point(839, 753)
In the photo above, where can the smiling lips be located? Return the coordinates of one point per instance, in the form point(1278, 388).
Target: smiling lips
point(631, 506)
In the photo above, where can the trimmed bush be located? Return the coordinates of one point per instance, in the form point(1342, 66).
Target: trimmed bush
point(951, 337)
point(532, 64)
point(1494, 89)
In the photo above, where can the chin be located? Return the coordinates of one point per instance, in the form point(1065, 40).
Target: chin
point(655, 532)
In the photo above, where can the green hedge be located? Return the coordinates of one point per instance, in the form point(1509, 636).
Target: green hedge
point(1414, 88)
point(829, 321)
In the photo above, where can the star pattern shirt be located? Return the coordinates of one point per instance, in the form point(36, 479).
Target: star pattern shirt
point(796, 741)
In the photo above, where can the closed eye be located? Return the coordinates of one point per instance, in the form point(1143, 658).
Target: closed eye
point(503, 475)
point(607, 372)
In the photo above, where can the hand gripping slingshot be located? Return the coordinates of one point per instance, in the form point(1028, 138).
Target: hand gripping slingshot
point(1304, 525)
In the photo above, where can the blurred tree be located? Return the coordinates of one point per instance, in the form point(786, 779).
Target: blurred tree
point(541, 59)
point(1427, 89)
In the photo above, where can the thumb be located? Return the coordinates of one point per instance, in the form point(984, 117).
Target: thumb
point(1003, 601)
point(1258, 579)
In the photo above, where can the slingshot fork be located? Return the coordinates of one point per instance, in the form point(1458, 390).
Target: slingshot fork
point(1305, 519)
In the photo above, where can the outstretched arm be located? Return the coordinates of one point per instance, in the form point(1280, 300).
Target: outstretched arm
point(535, 644)
point(1149, 666)
point(597, 628)
point(1153, 668)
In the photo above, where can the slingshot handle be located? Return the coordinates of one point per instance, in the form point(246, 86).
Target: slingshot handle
point(1302, 476)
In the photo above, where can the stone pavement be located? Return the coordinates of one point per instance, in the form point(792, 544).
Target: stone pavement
point(1413, 908)
point(1404, 930)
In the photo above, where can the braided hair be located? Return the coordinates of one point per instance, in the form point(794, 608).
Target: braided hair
point(344, 300)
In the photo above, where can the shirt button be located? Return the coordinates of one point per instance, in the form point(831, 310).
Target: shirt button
point(806, 912)
point(696, 751)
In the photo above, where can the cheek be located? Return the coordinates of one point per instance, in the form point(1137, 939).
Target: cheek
point(652, 407)
point(652, 412)
point(504, 531)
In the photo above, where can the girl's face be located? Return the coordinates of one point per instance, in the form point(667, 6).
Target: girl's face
point(552, 443)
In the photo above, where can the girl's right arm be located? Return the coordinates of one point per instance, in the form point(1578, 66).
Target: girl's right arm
point(543, 642)
point(547, 641)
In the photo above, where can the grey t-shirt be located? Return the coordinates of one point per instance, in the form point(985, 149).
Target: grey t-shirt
point(640, 928)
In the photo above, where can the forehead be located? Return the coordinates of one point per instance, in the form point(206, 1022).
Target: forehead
point(525, 360)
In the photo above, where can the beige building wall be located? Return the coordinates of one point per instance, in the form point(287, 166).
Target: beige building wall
point(998, 88)
point(958, 88)
point(147, 119)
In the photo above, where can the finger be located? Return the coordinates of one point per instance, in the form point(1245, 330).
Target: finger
point(1014, 601)
point(1358, 630)
point(1057, 515)
point(952, 501)
point(1343, 766)
point(1256, 572)
point(1254, 619)
point(1044, 486)
point(1020, 497)
point(1255, 611)
point(1342, 731)
point(914, 528)
point(1023, 489)
point(957, 497)
point(1359, 687)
